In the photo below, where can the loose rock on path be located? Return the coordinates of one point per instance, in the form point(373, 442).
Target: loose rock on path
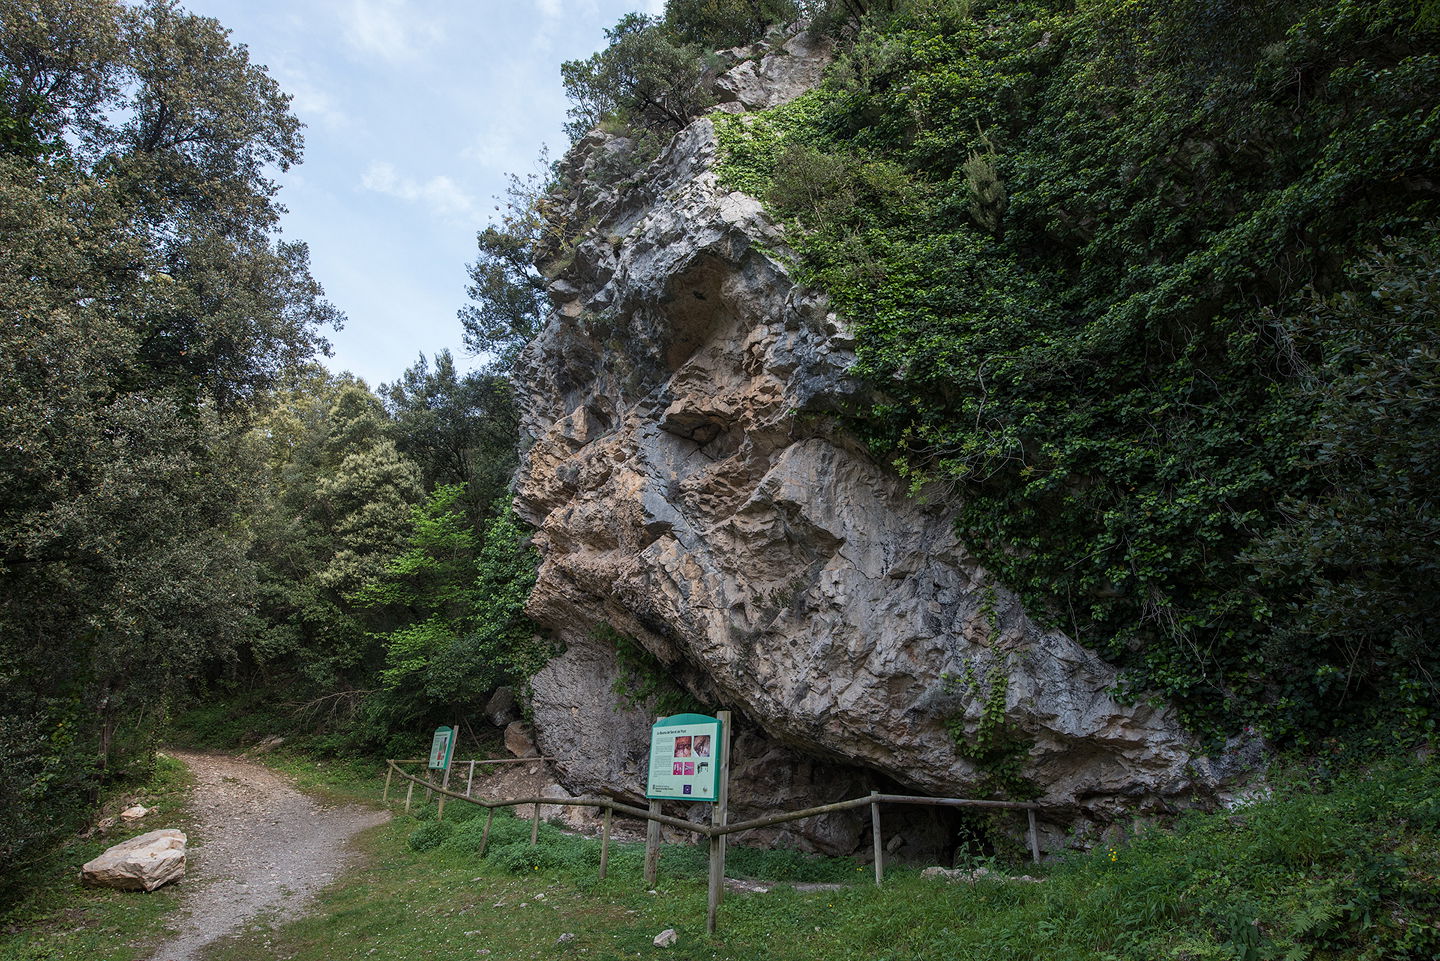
point(261, 850)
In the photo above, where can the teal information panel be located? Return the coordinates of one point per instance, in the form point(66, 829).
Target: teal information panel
point(684, 758)
point(441, 746)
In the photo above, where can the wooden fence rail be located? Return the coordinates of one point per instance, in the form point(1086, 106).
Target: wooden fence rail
point(711, 831)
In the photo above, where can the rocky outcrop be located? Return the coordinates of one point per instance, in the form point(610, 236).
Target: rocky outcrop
point(771, 73)
point(692, 489)
point(142, 863)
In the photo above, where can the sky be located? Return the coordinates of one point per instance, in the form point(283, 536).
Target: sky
point(415, 112)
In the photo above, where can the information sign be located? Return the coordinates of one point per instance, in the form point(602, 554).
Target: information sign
point(684, 758)
point(442, 745)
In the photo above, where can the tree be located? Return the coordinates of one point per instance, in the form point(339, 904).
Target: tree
point(507, 291)
point(645, 77)
point(458, 429)
point(144, 303)
point(717, 24)
point(461, 600)
point(335, 511)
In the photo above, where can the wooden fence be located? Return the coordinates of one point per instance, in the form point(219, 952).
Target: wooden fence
point(714, 832)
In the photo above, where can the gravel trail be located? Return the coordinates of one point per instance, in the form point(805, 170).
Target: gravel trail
point(264, 849)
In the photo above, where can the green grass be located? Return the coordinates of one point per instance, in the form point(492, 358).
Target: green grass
point(341, 780)
point(61, 919)
point(1327, 869)
point(1331, 867)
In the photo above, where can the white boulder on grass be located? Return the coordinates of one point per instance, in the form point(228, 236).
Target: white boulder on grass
point(142, 863)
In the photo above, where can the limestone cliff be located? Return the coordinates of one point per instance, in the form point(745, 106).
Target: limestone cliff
point(692, 489)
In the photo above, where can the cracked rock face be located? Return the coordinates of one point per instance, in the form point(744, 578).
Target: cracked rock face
point(692, 490)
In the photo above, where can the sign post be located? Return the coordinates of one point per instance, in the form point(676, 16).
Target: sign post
point(689, 761)
point(442, 746)
point(719, 816)
point(684, 759)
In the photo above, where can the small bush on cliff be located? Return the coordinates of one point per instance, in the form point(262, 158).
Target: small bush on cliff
point(654, 73)
point(646, 76)
point(719, 24)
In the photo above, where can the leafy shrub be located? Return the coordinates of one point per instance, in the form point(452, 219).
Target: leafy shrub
point(717, 24)
point(645, 76)
point(431, 835)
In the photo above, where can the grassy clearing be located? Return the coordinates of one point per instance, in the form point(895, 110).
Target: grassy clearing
point(1329, 868)
point(61, 919)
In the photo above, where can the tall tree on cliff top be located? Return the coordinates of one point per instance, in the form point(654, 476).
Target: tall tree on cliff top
point(144, 299)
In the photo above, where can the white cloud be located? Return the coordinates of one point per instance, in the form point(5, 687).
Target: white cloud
point(440, 194)
point(497, 148)
point(312, 103)
point(389, 29)
point(576, 9)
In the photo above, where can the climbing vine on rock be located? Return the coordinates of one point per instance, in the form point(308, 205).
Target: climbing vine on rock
point(995, 744)
point(1114, 271)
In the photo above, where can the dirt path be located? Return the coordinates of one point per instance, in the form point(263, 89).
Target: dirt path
point(264, 849)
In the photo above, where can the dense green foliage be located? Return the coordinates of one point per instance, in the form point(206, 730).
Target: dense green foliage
point(188, 505)
point(144, 300)
point(461, 597)
point(334, 510)
point(391, 599)
point(1149, 290)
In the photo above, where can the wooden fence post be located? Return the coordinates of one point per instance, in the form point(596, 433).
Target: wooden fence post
point(605, 843)
point(410, 790)
point(719, 816)
point(535, 825)
point(485, 836)
point(879, 848)
point(1034, 837)
point(389, 770)
point(652, 844)
point(470, 781)
point(444, 786)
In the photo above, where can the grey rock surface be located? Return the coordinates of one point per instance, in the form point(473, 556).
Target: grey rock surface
point(143, 863)
point(769, 74)
point(502, 708)
point(693, 490)
point(518, 741)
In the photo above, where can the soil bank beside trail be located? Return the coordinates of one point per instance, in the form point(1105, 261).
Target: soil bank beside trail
point(262, 850)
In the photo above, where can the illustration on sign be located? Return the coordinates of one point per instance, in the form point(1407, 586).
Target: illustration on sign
point(441, 747)
point(681, 763)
